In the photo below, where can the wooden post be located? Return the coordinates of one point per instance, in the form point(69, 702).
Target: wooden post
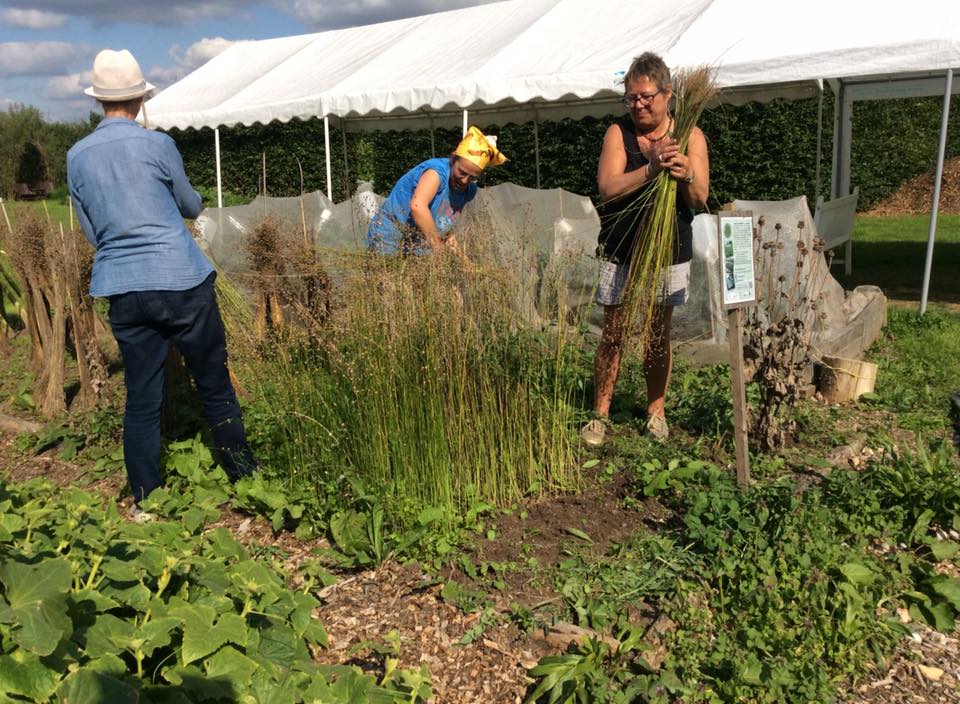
point(735, 338)
point(6, 218)
point(737, 289)
point(263, 158)
point(536, 144)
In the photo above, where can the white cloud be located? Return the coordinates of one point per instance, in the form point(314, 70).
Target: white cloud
point(200, 52)
point(186, 61)
point(330, 14)
point(32, 19)
point(64, 97)
point(69, 86)
point(167, 12)
point(39, 58)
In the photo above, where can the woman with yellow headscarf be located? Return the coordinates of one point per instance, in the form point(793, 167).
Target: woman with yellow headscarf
point(426, 202)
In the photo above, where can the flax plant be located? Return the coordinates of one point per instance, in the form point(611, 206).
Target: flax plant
point(653, 211)
point(426, 386)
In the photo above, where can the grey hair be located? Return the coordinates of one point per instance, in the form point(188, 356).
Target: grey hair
point(648, 65)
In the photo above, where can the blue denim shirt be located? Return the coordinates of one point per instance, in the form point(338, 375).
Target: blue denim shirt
point(131, 196)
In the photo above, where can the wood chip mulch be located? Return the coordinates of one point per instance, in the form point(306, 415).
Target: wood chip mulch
point(925, 669)
point(915, 196)
point(366, 607)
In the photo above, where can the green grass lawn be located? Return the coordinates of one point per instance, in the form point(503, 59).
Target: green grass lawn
point(57, 207)
point(890, 252)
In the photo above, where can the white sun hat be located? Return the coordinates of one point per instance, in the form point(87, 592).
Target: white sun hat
point(116, 77)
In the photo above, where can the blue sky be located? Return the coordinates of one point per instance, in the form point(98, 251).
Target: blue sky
point(47, 46)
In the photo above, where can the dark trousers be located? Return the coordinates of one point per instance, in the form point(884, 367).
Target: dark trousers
point(144, 324)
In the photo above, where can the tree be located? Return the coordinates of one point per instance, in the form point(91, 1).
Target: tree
point(32, 165)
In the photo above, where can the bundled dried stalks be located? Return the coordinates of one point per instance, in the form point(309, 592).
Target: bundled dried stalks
point(91, 363)
point(10, 293)
point(778, 330)
point(53, 268)
point(34, 257)
point(287, 275)
point(654, 213)
point(267, 260)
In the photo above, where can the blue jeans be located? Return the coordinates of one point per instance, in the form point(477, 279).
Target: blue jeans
point(144, 324)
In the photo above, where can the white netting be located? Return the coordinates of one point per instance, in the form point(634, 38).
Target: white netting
point(549, 236)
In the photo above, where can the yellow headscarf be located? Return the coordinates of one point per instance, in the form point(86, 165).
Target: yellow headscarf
point(479, 149)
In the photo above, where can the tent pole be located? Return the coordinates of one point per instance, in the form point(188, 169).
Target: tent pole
point(837, 86)
point(464, 123)
point(846, 141)
point(433, 140)
point(932, 233)
point(326, 154)
point(819, 141)
point(536, 144)
point(346, 162)
point(216, 149)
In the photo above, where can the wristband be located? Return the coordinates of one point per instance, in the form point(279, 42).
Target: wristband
point(688, 179)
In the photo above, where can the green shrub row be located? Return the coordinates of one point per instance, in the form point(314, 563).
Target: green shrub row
point(763, 151)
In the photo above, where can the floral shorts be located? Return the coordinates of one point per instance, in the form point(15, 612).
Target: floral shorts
point(674, 284)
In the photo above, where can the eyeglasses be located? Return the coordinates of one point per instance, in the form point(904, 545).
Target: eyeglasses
point(642, 99)
point(460, 172)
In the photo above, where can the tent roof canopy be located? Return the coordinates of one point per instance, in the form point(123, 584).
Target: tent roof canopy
point(515, 59)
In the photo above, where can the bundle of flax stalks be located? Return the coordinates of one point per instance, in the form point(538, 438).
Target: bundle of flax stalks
point(654, 209)
point(53, 268)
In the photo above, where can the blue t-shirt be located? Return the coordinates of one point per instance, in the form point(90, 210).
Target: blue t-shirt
point(393, 228)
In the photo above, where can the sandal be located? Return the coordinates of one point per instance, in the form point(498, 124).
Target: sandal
point(594, 432)
point(657, 428)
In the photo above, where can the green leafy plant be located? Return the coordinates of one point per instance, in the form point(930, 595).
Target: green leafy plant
point(92, 604)
point(747, 577)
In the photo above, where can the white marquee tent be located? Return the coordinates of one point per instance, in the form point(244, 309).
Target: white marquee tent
point(527, 60)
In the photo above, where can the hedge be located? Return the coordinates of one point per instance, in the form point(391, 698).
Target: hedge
point(757, 151)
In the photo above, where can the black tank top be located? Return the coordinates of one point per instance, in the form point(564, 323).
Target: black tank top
point(619, 228)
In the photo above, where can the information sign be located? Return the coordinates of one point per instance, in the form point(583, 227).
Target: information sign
point(736, 260)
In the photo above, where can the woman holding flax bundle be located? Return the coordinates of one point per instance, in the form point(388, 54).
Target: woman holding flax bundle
point(426, 202)
point(654, 172)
